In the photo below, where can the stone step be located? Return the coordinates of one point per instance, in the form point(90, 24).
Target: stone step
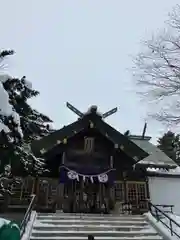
point(92, 218)
point(44, 233)
point(94, 222)
point(98, 238)
point(80, 227)
point(62, 226)
point(90, 215)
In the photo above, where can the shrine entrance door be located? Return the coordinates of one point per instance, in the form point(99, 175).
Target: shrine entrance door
point(85, 197)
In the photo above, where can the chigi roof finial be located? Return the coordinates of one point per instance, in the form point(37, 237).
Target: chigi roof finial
point(144, 130)
point(92, 109)
point(75, 110)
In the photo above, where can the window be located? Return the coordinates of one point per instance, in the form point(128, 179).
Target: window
point(136, 191)
point(119, 191)
point(137, 195)
point(88, 144)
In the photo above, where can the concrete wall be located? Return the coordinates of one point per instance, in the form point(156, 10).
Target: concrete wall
point(165, 191)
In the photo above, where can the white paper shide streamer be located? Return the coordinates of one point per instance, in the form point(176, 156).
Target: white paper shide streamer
point(92, 180)
point(103, 177)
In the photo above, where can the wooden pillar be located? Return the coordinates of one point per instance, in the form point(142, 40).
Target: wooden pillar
point(112, 192)
point(36, 190)
point(76, 194)
point(112, 200)
point(22, 188)
point(35, 187)
point(81, 200)
point(148, 193)
point(108, 197)
point(125, 187)
point(48, 192)
point(6, 201)
point(61, 195)
point(110, 189)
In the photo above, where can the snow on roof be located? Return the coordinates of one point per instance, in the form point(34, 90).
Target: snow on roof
point(139, 137)
point(175, 171)
point(156, 156)
point(93, 108)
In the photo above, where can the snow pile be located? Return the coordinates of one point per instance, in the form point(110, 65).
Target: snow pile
point(4, 78)
point(162, 228)
point(29, 226)
point(175, 227)
point(6, 109)
point(3, 221)
point(175, 171)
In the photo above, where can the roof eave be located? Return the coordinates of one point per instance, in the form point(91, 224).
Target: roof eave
point(139, 137)
point(166, 175)
point(151, 165)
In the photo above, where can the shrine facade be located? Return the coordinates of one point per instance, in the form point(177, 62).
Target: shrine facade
point(92, 167)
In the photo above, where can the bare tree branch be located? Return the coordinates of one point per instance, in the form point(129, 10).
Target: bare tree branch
point(157, 69)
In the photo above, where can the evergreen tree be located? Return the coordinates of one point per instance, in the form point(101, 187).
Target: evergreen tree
point(33, 123)
point(169, 143)
point(19, 125)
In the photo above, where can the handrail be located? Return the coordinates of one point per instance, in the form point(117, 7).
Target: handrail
point(165, 208)
point(159, 212)
point(27, 215)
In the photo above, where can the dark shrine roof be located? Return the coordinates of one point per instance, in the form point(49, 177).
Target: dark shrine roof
point(156, 157)
point(121, 141)
point(141, 150)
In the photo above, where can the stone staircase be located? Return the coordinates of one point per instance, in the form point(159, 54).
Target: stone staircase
point(61, 226)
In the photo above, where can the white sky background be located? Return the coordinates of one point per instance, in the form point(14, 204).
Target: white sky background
point(79, 51)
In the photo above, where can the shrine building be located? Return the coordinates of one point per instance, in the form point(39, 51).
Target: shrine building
point(91, 165)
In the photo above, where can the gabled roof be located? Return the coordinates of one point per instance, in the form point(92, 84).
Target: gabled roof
point(129, 147)
point(141, 150)
point(156, 158)
point(121, 141)
point(51, 140)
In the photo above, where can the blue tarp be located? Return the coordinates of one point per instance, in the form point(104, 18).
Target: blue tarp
point(9, 230)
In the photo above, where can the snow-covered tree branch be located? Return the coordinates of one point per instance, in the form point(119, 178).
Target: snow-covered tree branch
point(19, 125)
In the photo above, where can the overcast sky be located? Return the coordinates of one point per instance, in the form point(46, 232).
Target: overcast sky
point(80, 51)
